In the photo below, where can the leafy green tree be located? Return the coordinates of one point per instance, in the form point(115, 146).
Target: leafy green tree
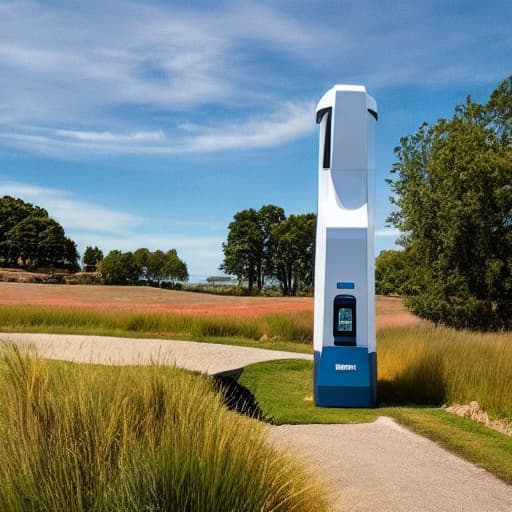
point(269, 217)
point(71, 255)
point(293, 255)
point(12, 212)
point(28, 235)
point(174, 268)
point(142, 256)
point(119, 268)
point(22, 242)
point(453, 193)
point(156, 264)
point(391, 272)
point(243, 250)
point(92, 257)
point(264, 244)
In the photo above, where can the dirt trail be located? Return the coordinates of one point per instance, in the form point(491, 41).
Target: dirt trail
point(368, 467)
point(383, 467)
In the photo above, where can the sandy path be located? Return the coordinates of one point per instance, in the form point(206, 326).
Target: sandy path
point(368, 467)
point(203, 357)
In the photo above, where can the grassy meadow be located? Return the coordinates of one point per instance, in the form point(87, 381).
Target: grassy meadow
point(99, 438)
point(418, 363)
point(420, 368)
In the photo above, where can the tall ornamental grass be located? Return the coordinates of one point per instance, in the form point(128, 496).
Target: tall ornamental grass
point(439, 365)
point(91, 438)
point(288, 327)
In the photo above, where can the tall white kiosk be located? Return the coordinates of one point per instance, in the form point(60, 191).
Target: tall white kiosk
point(345, 367)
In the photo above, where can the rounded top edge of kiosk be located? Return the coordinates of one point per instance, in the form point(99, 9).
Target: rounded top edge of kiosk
point(329, 98)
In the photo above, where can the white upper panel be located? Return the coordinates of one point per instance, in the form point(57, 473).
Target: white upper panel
point(329, 98)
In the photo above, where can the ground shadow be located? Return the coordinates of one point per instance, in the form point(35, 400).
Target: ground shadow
point(237, 397)
point(420, 384)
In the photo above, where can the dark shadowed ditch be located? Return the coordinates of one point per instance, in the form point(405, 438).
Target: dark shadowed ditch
point(237, 397)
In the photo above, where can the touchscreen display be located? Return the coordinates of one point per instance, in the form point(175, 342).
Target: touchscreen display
point(344, 319)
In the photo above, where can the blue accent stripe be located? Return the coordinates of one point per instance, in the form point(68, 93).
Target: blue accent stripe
point(344, 285)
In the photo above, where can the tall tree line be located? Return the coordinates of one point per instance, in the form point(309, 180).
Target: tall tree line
point(265, 245)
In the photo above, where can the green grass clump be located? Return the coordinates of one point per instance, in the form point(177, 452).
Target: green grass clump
point(91, 438)
point(276, 329)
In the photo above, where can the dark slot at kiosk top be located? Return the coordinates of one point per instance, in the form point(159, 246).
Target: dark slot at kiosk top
point(344, 320)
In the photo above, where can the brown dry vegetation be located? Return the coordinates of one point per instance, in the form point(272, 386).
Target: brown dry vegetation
point(390, 310)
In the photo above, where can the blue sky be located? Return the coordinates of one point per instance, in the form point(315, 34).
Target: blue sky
point(150, 124)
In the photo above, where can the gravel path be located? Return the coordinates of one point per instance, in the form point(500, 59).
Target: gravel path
point(377, 466)
point(383, 467)
point(203, 357)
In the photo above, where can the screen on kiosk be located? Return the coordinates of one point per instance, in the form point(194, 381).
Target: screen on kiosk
point(345, 320)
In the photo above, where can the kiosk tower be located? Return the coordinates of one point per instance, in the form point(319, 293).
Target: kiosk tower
point(345, 371)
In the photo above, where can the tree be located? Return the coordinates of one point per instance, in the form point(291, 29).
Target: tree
point(30, 237)
point(174, 268)
point(293, 254)
point(264, 244)
point(391, 272)
point(453, 193)
point(92, 258)
point(21, 242)
point(156, 265)
point(243, 250)
point(119, 268)
point(12, 212)
point(71, 255)
point(141, 257)
point(269, 217)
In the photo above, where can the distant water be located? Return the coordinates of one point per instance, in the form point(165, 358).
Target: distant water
point(197, 279)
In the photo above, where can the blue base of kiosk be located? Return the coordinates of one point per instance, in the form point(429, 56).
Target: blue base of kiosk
point(345, 377)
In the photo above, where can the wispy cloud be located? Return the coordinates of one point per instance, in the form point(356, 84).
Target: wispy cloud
point(121, 76)
point(290, 122)
point(72, 213)
point(109, 137)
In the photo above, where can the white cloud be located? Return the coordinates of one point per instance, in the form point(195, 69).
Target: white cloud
point(85, 79)
point(119, 75)
point(111, 137)
point(72, 213)
point(289, 122)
